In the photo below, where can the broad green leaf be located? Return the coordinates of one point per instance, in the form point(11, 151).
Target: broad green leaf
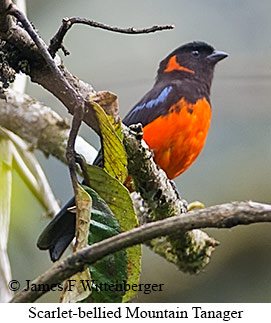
point(118, 199)
point(112, 268)
point(115, 159)
point(112, 191)
point(83, 213)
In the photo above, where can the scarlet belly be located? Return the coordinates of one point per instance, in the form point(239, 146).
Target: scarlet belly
point(177, 138)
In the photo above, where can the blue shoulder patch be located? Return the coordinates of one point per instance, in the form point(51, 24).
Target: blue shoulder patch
point(161, 98)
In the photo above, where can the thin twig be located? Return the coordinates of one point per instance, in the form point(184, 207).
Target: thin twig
point(70, 153)
point(221, 216)
point(67, 23)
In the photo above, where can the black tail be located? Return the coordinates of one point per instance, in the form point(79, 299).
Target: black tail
point(59, 232)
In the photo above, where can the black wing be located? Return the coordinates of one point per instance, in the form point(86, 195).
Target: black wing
point(154, 104)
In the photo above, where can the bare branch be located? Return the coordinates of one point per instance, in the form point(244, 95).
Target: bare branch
point(67, 23)
point(40, 126)
point(220, 216)
point(190, 251)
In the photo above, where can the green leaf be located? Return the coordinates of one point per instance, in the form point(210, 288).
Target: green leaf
point(108, 185)
point(112, 268)
point(118, 199)
point(115, 159)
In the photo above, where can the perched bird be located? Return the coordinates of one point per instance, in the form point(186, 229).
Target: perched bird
point(175, 115)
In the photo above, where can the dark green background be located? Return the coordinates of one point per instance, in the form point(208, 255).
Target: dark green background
point(235, 163)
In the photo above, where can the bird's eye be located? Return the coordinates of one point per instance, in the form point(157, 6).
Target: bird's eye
point(195, 53)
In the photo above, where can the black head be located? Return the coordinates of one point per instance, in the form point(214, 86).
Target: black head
point(195, 60)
